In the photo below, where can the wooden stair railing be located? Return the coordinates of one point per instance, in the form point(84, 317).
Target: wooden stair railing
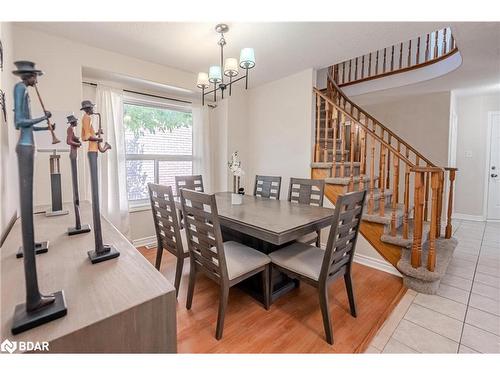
point(349, 138)
point(439, 45)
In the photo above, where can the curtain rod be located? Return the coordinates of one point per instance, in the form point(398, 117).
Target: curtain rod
point(142, 93)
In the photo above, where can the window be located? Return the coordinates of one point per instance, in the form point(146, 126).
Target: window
point(158, 147)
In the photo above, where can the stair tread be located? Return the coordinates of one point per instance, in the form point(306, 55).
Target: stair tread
point(398, 238)
point(386, 219)
point(347, 180)
point(329, 164)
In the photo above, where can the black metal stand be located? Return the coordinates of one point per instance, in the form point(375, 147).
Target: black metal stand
point(109, 252)
point(25, 320)
point(78, 228)
point(40, 248)
point(101, 252)
point(55, 188)
point(85, 228)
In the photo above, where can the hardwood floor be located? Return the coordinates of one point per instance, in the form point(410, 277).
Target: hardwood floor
point(292, 325)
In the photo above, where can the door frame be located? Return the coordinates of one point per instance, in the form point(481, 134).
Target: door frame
point(487, 164)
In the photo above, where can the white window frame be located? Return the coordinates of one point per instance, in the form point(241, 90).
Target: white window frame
point(144, 204)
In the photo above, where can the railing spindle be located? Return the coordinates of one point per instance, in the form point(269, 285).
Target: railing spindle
point(363, 67)
point(392, 58)
point(370, 65)
point(406, 198)
point(400, 55)
point(409, 53)
point(388, 176)
point(427, 48)
point(426, 201)
point(381, 180)
point(376, 65)
point(362, 160)
point(351, 155)
point(439, 203)
point(418, 51)
point(350, 66)
point(385, 53)
point(336, 124)
point(342, 145)
point(356, 70)
point(318, 127)
point(382, 189)
point(395, 194)
point(436, 33)
point(325, 135)
point(343, 72)
point(371, 202)
point(444, 42)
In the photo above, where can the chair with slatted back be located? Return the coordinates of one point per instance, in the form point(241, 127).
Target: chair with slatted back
point(311, 192)
point(189, 182)
point(168, 234)
point(225, 263)
point(267, 187)
point(319, 267)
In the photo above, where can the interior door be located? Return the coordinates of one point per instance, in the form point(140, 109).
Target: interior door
point(494, 168)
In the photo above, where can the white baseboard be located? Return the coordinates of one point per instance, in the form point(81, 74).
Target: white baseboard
point(468, 217)
point(151, 240)
point(378, 264)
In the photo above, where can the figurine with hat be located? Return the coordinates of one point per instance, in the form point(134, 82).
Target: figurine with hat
point(74, 142)
point(101, 252)
point(38, 308)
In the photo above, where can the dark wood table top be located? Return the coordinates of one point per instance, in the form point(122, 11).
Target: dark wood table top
point(274, 221)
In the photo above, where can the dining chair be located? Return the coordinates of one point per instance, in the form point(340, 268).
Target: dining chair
point(318, 267)
point(169, 236)
point(189, 182)
point(226, 263)
point(267, 187)
point(311, 192)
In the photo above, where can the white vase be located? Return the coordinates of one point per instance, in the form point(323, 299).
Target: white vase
point(236, 198)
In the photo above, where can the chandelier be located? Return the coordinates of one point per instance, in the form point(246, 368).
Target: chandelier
point(216, 75)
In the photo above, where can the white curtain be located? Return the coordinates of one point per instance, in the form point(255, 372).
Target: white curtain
point(202, 157)
point(114, 200)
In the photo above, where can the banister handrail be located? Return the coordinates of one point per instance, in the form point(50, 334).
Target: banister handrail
point(367, 130)
point(439, 45)
point(366, 114)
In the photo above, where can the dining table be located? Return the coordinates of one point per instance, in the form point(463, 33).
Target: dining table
point(267, 225)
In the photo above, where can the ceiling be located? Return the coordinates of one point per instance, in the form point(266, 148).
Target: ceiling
point(284, 48)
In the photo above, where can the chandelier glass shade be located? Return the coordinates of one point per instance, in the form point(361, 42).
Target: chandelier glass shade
point(227, 68)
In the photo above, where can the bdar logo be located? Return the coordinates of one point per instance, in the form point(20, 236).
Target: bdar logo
point(8, 346)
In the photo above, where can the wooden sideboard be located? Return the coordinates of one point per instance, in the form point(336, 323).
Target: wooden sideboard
point(123, 305)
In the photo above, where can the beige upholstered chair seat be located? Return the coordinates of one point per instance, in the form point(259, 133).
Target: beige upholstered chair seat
point(241, 259)
point(309, 238)
point(300, 258)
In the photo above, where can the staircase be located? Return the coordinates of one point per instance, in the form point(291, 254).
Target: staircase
point(405, 191)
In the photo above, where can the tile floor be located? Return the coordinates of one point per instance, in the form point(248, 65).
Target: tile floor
point(464, 316)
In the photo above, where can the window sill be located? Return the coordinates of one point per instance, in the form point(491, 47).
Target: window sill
point(139, 207)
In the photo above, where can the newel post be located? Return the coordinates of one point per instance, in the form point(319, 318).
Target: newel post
point(449, 228)
point(435, 186)
point(416, 248)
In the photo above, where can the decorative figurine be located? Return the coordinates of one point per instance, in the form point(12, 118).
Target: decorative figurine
point(101, 252)
point(38, 309)
point(235, 168)
point(74, 142)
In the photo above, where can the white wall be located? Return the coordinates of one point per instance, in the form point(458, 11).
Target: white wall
point(9, 194)
point(471, 153)
point(280, 129)
point(422, 120)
